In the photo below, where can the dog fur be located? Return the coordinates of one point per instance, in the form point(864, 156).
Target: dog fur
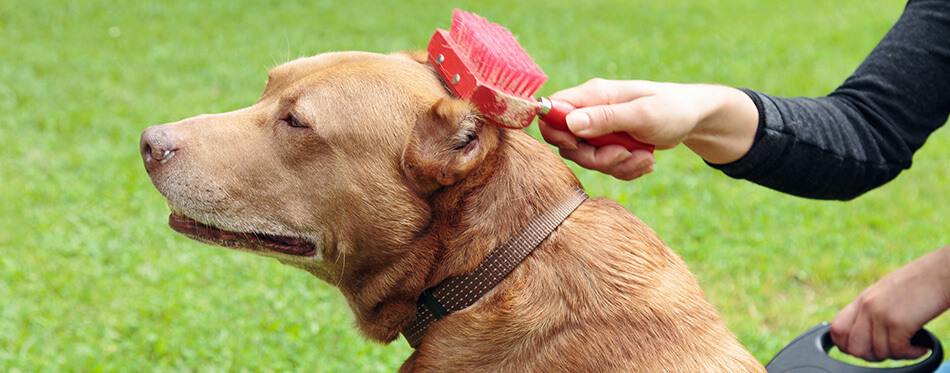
point(362, 169)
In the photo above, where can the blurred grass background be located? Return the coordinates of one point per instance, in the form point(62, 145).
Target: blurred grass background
point(91, 278)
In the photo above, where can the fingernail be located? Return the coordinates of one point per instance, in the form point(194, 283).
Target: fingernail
point(622, 157)
point(646, 165)
point(565, 145)
point(577, 122)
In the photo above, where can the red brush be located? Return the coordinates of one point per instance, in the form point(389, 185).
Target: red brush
point(482, 62)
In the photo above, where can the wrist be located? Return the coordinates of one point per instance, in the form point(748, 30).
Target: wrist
point(727, 129)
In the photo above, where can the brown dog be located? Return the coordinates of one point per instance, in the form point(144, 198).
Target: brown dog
point(361, 169)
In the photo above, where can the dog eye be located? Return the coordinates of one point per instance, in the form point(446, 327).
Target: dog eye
point(291, 120)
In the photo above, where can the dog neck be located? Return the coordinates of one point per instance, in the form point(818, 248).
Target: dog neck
point(459, 292)
point(519, 180)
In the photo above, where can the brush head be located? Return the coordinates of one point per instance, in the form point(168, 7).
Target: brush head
point(495, 55)
point(482, 62)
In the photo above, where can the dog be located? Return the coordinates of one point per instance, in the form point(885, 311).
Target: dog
point(363, 170)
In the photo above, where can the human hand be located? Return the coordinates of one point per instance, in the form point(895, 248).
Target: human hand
point(717, 122)
point(879, 324)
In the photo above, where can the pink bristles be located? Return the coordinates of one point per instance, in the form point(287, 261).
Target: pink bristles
point(495, 55)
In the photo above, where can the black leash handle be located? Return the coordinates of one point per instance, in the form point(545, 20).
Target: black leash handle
point(808, 353)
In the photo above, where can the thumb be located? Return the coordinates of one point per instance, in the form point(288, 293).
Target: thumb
point(901, 347)
point(600, 120)
point(912, 352)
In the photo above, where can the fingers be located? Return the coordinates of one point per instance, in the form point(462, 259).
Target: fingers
point(859, 342)
point(880, 347)
point(842, 325)
point(558, 138)
point(852, 331)
point(613, 160)
point(901, 347)
point(865, 329)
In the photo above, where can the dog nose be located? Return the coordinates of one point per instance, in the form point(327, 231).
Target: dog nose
point(157, 147)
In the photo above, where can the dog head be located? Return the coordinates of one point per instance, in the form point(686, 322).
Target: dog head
point(359, 168)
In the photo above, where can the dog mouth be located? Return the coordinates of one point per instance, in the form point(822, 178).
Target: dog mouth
point(199, 231)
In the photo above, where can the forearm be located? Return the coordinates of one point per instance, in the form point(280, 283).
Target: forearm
point(866, 132)
point(943, 256)
point(823, 148)
point(727, 132)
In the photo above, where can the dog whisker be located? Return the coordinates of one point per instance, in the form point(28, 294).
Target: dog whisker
point(288, 48)
point(340, 255)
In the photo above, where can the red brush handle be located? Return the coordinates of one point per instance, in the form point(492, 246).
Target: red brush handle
point(557, 118)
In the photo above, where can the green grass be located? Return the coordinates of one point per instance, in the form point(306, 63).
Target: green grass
point(92, 279)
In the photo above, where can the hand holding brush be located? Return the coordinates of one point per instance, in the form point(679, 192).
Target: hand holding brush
point(482, 62)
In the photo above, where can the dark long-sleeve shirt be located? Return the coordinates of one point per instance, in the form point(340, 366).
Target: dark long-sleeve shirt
point(865, 132)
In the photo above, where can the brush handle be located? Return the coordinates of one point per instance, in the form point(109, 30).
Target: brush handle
point(554, 113)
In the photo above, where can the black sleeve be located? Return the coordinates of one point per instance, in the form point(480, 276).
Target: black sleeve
point(865, 132)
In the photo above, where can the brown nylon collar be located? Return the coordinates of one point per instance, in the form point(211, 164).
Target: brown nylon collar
point(459, 292)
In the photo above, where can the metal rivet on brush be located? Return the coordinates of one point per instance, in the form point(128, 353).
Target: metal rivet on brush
point(439, 60)
point(456, 78)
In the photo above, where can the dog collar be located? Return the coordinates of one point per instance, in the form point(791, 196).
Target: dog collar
point(458, 292)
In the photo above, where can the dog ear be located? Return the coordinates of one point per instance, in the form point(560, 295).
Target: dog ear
point(447, 144)
point(420, 55)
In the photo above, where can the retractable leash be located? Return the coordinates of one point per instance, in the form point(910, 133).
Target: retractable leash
point(808, 353)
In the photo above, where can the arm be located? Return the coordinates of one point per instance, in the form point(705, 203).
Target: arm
point(836, 147)
point(865, 132)
point(880, 322)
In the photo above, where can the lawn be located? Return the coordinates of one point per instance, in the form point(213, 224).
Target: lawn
point(92, 279)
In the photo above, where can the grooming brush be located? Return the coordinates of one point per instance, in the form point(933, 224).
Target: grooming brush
point(482, 62)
